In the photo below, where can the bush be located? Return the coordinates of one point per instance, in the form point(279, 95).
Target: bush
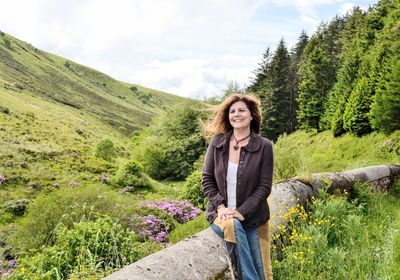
point(4, 110)
point(60, 208)
point(131, 175)
point(181, 211)
point(7, 44)
point(89, 246)
point(17, 207)
point(194, 190)
point(105, 149)
point(171, 145)
point(150, 223)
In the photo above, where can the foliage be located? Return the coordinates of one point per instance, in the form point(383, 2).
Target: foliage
point(277, 103)
point(149, 223)
point(295, 58)
point(317, 73)
point(60, 208)
point(17, 207)
point(342, 237)
point(7, 267)
point(194, 190)
point(385, 109)
point(355, 118)
point(302, 153)
point(94, 245)
point(105, 149)
point(188, 229)
point(181, 211)
point(130, 175)
point(169, 147)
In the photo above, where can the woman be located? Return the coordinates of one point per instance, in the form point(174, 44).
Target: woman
point(237, 179)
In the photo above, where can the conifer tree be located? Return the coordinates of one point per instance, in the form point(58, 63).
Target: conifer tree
point(317, 73)
point(385, 110)
point(276, 110)
point(379, 34)
point(295, 58)
point(261, 72)
point(350, 60)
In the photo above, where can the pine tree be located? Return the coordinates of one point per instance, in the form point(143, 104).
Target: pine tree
point(385, 110)
point(380, 24)
point(295, 58)
point(350, 61)
point(261, 72)
point(318, 68)
point(276, 110)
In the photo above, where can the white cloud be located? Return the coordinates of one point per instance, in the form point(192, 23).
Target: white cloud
point(187, 47)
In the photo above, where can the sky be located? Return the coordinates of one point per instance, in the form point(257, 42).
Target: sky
point(191, 48)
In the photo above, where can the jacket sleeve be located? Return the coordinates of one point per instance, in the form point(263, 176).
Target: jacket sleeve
point(263, 190)
point(208, 181)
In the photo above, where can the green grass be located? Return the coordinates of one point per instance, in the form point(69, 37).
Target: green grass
point(188, 229)
point(343, 239)
point(56, 120)
point(302, 153)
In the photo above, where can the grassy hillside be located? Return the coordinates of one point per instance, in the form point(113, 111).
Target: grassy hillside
point(53, 112)
point(302, 152)
point(124, 106)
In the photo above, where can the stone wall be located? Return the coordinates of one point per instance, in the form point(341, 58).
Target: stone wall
point(203, 256)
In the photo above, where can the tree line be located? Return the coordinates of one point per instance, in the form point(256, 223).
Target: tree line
point(344, 77)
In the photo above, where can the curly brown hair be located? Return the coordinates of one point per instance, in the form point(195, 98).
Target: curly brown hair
point(220, 121)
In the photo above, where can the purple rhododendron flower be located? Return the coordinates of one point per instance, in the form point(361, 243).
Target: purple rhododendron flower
point(182, 211)
point(6, 268)
point(154, 228)
point(2, 179)
point(104, 178)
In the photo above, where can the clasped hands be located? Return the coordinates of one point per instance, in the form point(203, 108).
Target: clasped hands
point(225, 213)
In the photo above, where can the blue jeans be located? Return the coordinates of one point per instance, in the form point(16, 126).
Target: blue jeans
point(250, 263)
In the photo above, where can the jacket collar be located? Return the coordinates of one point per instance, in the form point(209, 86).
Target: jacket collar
point(222, 141)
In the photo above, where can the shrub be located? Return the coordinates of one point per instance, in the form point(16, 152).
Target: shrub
point(105, 149)
point(169, 147)
point(7, 44)
point(6, 268)
point(131, 175)
point(17, 207)
point(91, 245)
point(153, 228)
point(181, 211)
point(62, 207)
point(194, 190)
point(4, 110)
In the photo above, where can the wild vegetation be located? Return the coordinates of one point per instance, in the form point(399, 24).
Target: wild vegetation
point(83, 155)
point(341, 236)
point(342, 78)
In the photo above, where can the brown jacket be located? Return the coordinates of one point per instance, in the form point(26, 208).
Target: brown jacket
point(254, 178)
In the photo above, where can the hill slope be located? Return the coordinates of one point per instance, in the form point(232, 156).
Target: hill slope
point(53, 112)
point(126, 107)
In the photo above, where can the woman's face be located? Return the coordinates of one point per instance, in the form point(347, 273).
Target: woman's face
point(239, 115)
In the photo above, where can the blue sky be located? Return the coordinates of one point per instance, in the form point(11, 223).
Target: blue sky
point(185, 47)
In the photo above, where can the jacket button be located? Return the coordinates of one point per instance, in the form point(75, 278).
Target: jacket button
point(242, 153)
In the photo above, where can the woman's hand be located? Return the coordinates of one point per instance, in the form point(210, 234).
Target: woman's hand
point(238, 216)
point(225, 213)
